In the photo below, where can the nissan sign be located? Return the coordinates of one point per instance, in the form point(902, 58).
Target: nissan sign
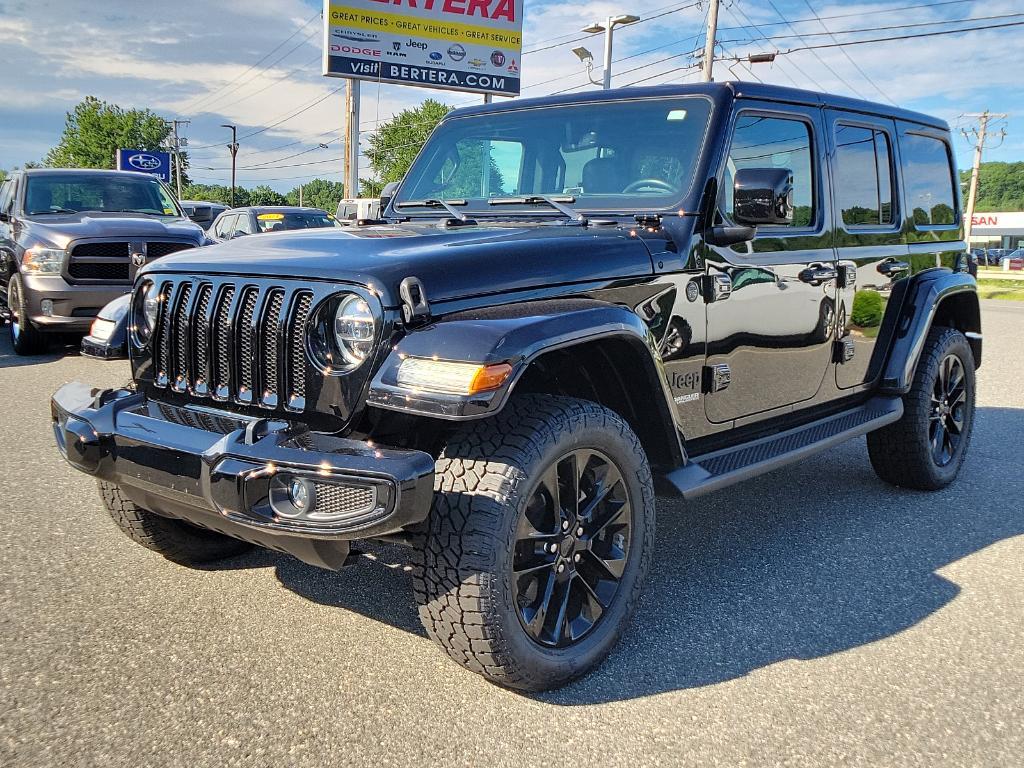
point(146, 161)
point(455, 45)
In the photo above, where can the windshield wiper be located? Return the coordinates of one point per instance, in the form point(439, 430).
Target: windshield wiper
point(558, 203)
point(434, 203)
point(53, 210)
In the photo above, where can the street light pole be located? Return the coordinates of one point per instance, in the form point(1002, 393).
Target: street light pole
point(233, 147)
point(608, 28)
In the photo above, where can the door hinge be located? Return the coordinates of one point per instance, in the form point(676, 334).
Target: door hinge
point(717, 287)
point(716, 378)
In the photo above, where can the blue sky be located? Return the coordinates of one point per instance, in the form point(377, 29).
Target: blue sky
point(193, 60)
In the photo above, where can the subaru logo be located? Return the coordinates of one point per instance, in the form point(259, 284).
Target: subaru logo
point(435, 56)
point(144, 162)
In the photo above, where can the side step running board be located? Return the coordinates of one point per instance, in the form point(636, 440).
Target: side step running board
point(713, 471)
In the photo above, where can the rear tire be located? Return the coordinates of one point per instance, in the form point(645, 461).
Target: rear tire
point(25, 337)
point(518, 582)
point(174, 539)
point(926, 447)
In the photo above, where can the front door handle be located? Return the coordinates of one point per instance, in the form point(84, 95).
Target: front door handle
point(893, 267)
point(819, 274)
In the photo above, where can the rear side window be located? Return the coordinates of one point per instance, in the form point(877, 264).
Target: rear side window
point(928, 178)
point(773, 142)
point(864, 176)
point(5, 195)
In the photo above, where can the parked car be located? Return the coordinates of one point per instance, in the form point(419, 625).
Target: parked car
point(201, 212)
point(994, 256)
point(72, 240)
point(626, 296)
point(1015, 259)
point(239, 222)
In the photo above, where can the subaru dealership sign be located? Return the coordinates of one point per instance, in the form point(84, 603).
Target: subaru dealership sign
point(455, 45)
point(156, 163)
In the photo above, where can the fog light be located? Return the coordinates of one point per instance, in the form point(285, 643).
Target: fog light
point(46, 306)
point(299, 493)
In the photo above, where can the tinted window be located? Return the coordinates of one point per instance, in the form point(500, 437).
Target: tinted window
point(863, 176)
point(75, 192)
point(609, 156)
point(773, 142)
point(928, 178)
point(281, 220)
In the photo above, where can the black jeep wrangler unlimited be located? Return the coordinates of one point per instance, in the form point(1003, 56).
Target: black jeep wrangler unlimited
point(572, 303)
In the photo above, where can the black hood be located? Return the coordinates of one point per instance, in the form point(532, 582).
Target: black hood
point(61, 229)
point(451, 262)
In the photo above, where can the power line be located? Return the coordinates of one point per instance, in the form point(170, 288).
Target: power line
point(192, 103)
point(903, 37)
point(859, 14)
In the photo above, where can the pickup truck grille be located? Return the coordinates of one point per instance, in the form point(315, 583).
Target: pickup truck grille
point(108, 261)
point(233, 342)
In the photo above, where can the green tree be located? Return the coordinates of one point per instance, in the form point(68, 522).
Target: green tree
point(1000, 186)
point(215, 193)
point(394, 144)
point(264, 195)
point(319, 193)
point(94, 130)
point(3, 176)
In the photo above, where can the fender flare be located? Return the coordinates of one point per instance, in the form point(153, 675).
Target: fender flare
point(518, 334)
point(115, 346)
point(922, 303)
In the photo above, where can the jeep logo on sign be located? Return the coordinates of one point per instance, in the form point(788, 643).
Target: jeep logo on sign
point(144, 162)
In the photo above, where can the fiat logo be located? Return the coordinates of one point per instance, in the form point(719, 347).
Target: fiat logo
point(144, 162)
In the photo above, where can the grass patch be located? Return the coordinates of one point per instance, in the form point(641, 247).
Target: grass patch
point(1001, 289)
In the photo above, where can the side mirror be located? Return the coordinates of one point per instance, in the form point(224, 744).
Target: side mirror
point(763, 196)
point(387, 193)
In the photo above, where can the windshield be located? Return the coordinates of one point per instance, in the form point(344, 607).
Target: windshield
point(75, 192)
point(608, 156)
point(279, 221)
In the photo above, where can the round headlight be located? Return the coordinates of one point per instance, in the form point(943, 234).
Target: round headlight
point(147, 309)
point(354, 329)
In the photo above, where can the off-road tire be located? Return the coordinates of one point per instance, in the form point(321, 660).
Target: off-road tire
point(462, 564)
point(174, 539)
point(25, 337)
point(901, 452)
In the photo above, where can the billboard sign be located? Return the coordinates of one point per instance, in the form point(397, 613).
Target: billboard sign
point(156, 163)
point(454, 45)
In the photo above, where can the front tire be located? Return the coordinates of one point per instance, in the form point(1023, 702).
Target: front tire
point(926, 447)
point(25, 337)
point(174, 539)
point(533, 556)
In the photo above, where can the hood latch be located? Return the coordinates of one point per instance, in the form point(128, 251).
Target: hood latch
point(415, 308)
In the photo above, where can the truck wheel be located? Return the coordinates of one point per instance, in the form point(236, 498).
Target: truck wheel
point(25, 338)
point(926, 447)
point(174, 539)
point(531, 562)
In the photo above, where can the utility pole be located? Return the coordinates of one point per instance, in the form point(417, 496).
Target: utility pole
point(176, 144)
point(233, 148)
point(352, 139)
point(300, 195)
point(709, 44)
point(980, 134)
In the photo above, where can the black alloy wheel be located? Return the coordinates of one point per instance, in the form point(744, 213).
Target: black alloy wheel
point(572, 547)
point(948, 411)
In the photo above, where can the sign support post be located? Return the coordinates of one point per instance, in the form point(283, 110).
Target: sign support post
point(352, 139)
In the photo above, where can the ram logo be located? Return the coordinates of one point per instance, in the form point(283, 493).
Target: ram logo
point(144, 162)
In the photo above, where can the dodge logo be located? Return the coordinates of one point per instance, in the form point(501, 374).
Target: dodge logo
point(139, 259)
point(144, 162)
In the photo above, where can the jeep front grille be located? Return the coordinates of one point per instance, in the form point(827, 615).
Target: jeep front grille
point(233, 342)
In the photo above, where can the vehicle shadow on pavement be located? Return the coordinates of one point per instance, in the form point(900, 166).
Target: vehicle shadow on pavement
point(57, 349)
point(802, 563)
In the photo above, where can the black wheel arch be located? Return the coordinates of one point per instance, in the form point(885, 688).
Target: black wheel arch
point(575, 347)
point(936, 297)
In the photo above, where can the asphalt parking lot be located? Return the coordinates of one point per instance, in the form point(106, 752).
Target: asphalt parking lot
point(812, 616)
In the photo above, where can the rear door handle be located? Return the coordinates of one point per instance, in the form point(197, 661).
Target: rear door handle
point(890, 268)
point(818, 275)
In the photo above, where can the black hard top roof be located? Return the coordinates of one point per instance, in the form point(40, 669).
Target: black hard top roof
point(762, 91)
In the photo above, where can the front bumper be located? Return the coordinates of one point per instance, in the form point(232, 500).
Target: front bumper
point(230, 473)
point(74, 306)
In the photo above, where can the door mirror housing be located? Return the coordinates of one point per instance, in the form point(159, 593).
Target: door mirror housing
point(763, 196)
point(387, 193)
